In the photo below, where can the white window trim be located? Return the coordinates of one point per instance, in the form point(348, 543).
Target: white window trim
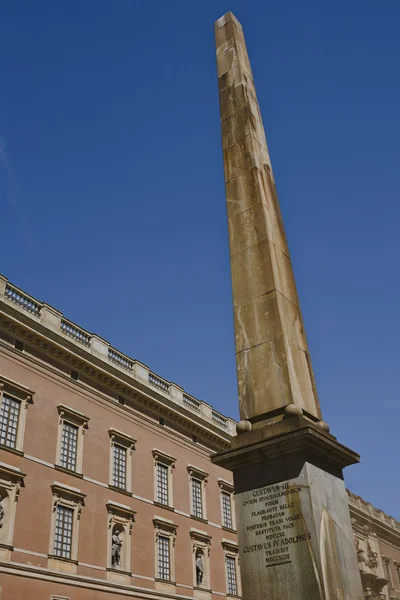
point(79, 420)
point(231, 549)
point(200, 476)
point(11, 481)
point(168, 461)
point(124, 440)
point(388, 561)
point(70, 498)
point(165, 528)
point(227, 488)
point(124, 517)
point(201, 540)
point(24, 395)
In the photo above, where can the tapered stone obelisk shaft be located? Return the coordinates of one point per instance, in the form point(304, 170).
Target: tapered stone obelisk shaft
point(295, 536)
point(272, 358)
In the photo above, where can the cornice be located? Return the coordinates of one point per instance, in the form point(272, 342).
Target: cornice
point(107, 375)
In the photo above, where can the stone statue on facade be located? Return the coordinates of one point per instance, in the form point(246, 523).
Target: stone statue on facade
point(116, 546)
point(199, 569)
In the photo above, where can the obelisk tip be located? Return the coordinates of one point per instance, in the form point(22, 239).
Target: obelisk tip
point(229, 16)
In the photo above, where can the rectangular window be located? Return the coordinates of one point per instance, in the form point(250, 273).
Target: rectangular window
point(231, 575)
point(398, 574)
point(69, 445)
point(63, 535)
point(162, 484)
point(163, 558)
point(197, 500)
point(119, 468)
point(9, 415)
point(226, 511)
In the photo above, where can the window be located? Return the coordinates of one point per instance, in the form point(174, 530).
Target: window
point(163, 466)
point(231, 575)
point(67, 506)
point(122, 447)
point(164, 571)
point(162, 484)
point(119, 471)
point(71, 428)
point(14, 399)
point(63, 536)
point(398, 573)
point(198, 480)
point(9, 416)
point(197, 501)
point(69, 444)
point(18, 345)
point(227, 500)
point(165, 534)
point(231, 551)
point(226, 510)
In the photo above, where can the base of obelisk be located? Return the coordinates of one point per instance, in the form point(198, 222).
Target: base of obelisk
point(295, 536)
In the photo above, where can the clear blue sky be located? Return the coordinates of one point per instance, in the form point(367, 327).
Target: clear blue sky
point(112, 194)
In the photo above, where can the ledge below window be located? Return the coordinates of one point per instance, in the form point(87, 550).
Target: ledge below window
point(120, 490)
point(229, 529)
point(68, 471)
point(12, 450)
point(198, 519)
point(167, 507)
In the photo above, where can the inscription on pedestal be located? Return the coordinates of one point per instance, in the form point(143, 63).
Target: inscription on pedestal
point(274, 523)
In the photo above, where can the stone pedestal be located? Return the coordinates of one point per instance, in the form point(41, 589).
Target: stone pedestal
point(295, 536)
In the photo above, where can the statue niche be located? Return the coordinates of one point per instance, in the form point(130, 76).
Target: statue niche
point(117, 541)
point(4, 516)
point(199, 567)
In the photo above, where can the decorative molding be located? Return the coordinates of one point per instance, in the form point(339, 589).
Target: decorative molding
point(126, 513)
point(70, 414)
point(81, 359)
point(371, 563)
point(197, 473)
point(121, 438)
point(230, 546)
point(164, 458)
point(225, 486)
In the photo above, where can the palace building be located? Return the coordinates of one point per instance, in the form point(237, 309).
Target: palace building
point(106, 485)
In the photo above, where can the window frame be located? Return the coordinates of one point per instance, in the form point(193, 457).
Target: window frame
point(197, 474)
point(118, 438)
point(24, 396)
point(388, 571)
point(231, 551)
point(227, 488)
point(165, 528)
point(70, 416)
point(72, 498)
point(167, 461)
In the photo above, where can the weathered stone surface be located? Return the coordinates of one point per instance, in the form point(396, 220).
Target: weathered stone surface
point(273, 364)
point(295, 538)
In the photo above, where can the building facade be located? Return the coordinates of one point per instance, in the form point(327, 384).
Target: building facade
point(106, 484)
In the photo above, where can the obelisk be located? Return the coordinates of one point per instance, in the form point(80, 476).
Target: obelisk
point(295, 535)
